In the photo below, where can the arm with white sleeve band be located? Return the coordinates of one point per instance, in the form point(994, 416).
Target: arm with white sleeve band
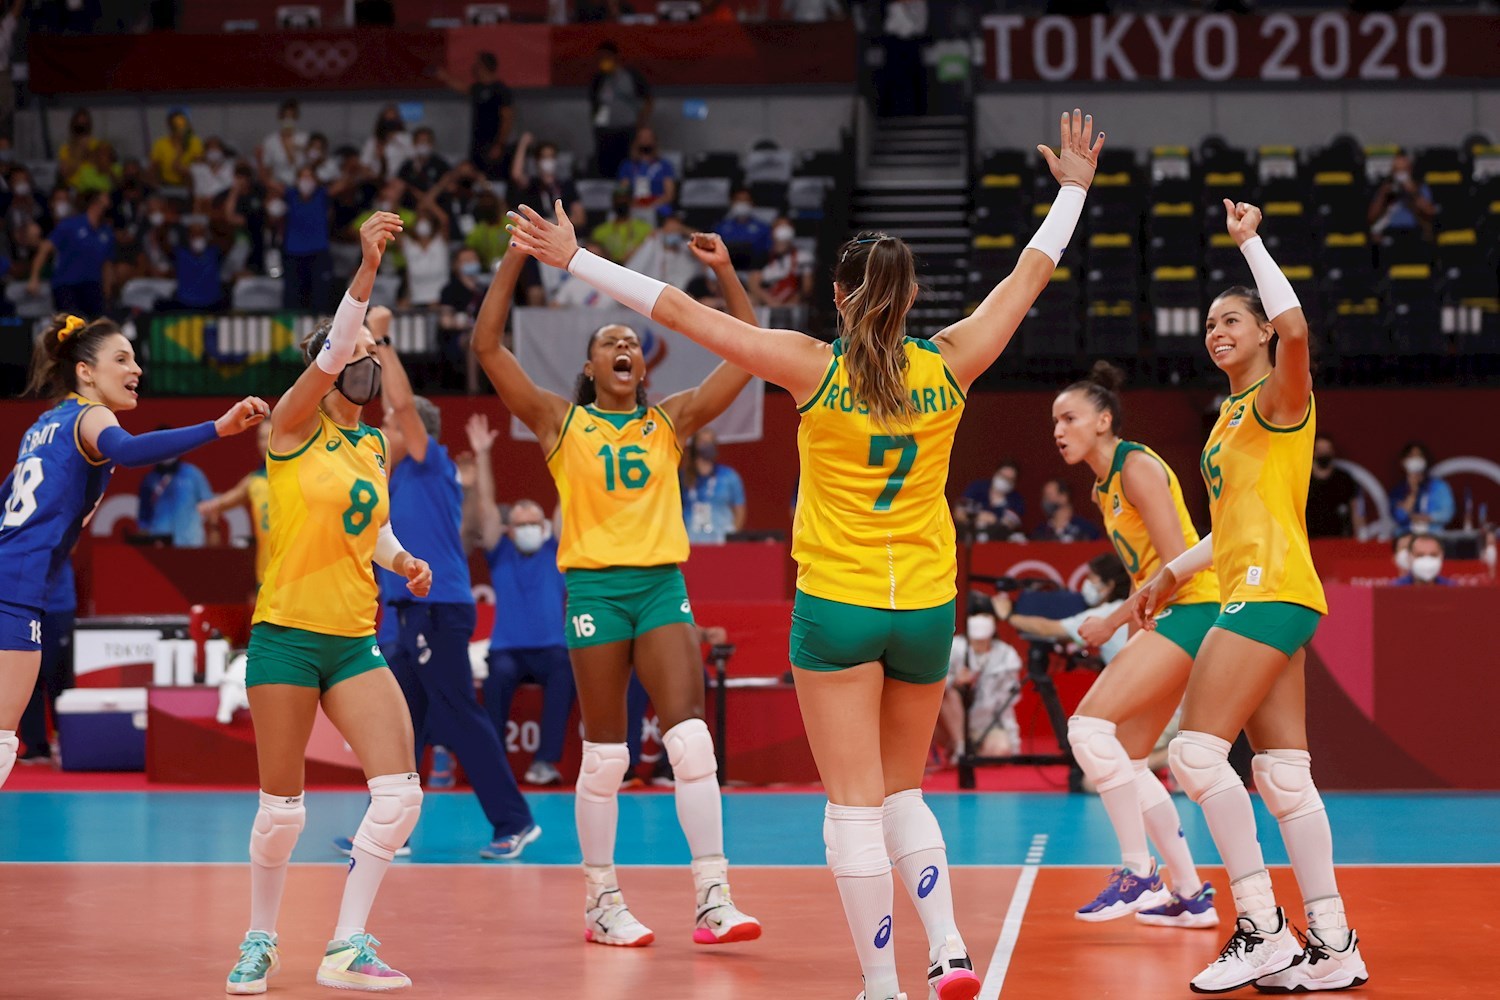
point(348, 321)
point(1276, 295)
point(625, 286)
point(388, 548)
point(1052, 236)
point(1194, 560)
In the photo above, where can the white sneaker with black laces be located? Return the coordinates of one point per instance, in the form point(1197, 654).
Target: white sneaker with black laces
point(1250, 954)
point(1320, 967)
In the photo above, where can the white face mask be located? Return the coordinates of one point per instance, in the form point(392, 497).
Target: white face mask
point(198, 244)
point(979, 628)
point(62, 210)
point(275, 208)
point(1002, 485)
point(1092, 595)
point(22, 190)
point(156, 218)
point(1426, 568)
point(741, 209)
point(307, 186)
point(784, 234)
point(528, 537)
point(214, 156)
point(424, 229)
point(1489, 557)
point(422, 149)
point(547, 166)
point(1403, 560)
point(1415, 465)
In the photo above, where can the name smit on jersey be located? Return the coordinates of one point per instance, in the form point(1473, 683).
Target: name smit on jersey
point(929, 400)
point(39, 437)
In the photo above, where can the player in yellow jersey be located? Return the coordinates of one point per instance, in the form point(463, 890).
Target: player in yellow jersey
point(614, 457)
point(1124, 712)
point(873, 539)
point(253, 493)
point(1249, 671)
point(312, 640)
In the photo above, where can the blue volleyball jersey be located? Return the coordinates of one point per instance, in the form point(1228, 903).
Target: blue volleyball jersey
point(53, 491)
point(426, 511)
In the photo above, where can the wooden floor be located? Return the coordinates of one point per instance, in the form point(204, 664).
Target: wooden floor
point(170, 931)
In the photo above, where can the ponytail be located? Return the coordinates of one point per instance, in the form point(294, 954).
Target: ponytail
point(877, 273)
point(65, 342)
point(1102, 387)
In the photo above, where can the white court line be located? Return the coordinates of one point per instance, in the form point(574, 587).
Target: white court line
point(994, 976)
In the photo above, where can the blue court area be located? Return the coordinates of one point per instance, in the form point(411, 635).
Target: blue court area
point(993, 828)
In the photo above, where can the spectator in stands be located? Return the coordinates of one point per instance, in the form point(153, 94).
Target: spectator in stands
point(652, 180)
point(426, 168)
point(488, 237)
point(130, 200)
point(1333, 508)
point(1427, 553)
point(808, 11)
point(7, 86)
point(1400, 204)
point(624, 232)
point(392, 198)
point(1401, 553)
point(621, 101)
point(197, 263)
point(327, 168)
point(492, 113)
point(665, 255)
point(244, 211)
point(992, 509)
point(388, 149)
point(713, 495)
point(985, 672)
point(169, 497)
point(902, 82)
point(352, 192)
point(748, 238)
point(212, 175)
point(455, 196)
point(144, 248)
point(1420, 501)
point(786, 279)
point(82, 280)
point(544, 188)
point(26, 219)
point(77, 158)
point(1104, 589)
point(427, 260)
point(173, 155)
point(284, 151)
point(459, 305)
point(1061, 522)
point(305, 258)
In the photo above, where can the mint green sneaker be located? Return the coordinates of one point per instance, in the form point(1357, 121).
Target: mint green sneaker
point(259, 961)
point(353, 965)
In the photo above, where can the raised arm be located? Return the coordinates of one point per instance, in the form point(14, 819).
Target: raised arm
point(296, 413)
point(236, 496)
point(1285, 397)
point(102, 437)
point(395, 387)
point(483, 516)
point(792, 360)
point(518, 162)
point(973, 343)
point(538, 409)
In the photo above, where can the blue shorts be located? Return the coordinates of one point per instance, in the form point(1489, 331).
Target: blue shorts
point(20, 629)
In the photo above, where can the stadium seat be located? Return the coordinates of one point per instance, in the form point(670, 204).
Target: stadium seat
point(1223, 264)
point(712, 164)
point(806, 196)
point(999, 204)
point(256, 294)
point(596, 193)
point(1348, 266)
point(1051, 328)
point(819, 163)
point(43, 174)
point(1113, 269)
point(1278, 173)
point(1175, 296)
point(678, 11)
point(142, 294)
point(1358, 326)
point(1172, 237)
point(1342, 200)
point(1378, 162)
point(1414, 310)
point(1287, 234)
point(1112, 329)
point(704, 193)
point(764, 166)
point(29, 306)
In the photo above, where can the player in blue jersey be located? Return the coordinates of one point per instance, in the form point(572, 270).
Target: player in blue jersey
point(62, 467)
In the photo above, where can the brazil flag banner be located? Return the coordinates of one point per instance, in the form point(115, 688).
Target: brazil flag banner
point(199, 354)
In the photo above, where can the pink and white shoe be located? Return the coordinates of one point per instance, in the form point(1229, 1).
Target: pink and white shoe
point(951, 976)
point(353, 965)
point(718, 920)
point(609, 921)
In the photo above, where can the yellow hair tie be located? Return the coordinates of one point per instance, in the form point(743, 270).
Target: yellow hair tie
point(72, 326)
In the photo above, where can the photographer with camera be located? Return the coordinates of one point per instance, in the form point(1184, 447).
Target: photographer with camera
point(984, 676)
point(1104, 589)
point(1401, 205)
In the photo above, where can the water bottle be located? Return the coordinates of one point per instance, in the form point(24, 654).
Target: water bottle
point(441, 776)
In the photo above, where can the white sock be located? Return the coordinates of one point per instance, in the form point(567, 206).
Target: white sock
point(388, 822)
point(1159, 813)
point(915, 845)
point(596, 801)
point(1100, 755)
point(855, 841)
point(9, 747)
point(695, 771)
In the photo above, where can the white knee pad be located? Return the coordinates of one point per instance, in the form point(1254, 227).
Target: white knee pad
point(854, 839)
point(1099, 752)
point(602, 770)
point(1200, 763)
point(691, 750)
point(909, 825)
point(1284, 780)
point(9, 747)
point(278, 824)
point(395, 804)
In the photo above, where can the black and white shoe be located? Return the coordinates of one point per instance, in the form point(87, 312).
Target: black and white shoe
point(1320, 967)
point(1250, 954)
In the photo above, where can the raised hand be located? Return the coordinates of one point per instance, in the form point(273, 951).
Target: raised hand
point(481, 437)
point(242, 415)
point(710, 250)
point(376, 234)
point(1076, 159)
point(1242, 219)
point(551, 243)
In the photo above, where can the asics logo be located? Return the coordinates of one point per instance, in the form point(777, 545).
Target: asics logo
point(1235, 608)
point(927, 882)
point(883, 933)
point(351, 864)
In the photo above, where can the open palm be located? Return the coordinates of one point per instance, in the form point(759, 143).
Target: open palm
point(1076, 158)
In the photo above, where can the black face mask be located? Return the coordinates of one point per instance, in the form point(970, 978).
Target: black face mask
point(1323, 461)
point(622, 209)
point(359, 382)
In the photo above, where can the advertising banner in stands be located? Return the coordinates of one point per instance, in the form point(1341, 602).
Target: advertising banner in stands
point(1331, 47)
point(551, 345)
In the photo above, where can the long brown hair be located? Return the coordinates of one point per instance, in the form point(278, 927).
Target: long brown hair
point(66, 341)
point(877, 273)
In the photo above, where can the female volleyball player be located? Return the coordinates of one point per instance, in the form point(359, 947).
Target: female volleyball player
point(1249, 670)
point(873, 539)
point(62, 467)
point(615, 460)
point(312, 638)
point(1126, 709)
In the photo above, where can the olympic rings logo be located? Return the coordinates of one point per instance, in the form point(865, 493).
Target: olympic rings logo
point(320, 59)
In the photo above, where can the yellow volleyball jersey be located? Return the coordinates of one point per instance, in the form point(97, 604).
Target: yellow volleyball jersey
point(328, 500)
point(258, 490)
point(1257, 475)
point(1127, 529)
point(616, 476)
point(873, 526)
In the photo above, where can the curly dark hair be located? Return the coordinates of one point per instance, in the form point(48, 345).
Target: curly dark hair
point(584, 391)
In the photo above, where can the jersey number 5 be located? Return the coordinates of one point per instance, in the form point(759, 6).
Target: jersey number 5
point(22, 502)
point(1212, 474)
point(880, 445)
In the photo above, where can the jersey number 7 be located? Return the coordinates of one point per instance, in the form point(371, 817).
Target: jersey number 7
point(880, 445)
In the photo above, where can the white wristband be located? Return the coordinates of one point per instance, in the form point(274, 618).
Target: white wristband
point(1195, 560)
point(1062, 218)
point(1276, 295)
point(339, 347)
point(387, 547)
point(620, 283)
